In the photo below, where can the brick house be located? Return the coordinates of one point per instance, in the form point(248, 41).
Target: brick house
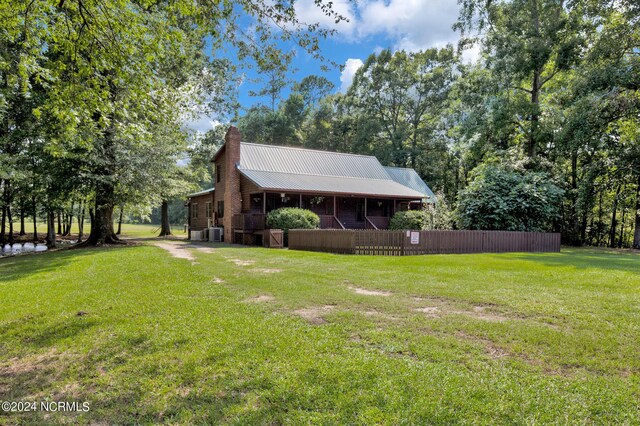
point(345, 190)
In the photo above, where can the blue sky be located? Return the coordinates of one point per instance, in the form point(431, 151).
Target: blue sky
point(373, 25)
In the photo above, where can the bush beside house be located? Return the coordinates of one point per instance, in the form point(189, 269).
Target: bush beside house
point(292, 218)
point(412, 219)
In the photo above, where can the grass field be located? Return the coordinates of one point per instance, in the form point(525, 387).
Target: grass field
point(129, 230)
point(206, 334)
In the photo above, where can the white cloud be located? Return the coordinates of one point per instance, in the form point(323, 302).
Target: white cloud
point(350, 68)
point(410, 24)
point(201, 123)
point(308, 13)
point(413, 24)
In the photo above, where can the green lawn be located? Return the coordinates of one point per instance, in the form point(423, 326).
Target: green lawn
point(253, 336)
point(128, 230)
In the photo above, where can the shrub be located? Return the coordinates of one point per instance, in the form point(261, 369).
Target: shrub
point(503, 198)
point(439, 214)
point(410, 219)
point(292, 218)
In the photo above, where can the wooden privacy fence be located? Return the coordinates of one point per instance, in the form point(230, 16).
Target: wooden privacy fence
point(401, 243)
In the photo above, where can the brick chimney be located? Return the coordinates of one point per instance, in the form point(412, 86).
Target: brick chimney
point(232, 195)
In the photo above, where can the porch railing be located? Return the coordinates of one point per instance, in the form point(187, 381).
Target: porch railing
point(248, 222)
point(380, 222)
point(368, 224)
point(326, 221)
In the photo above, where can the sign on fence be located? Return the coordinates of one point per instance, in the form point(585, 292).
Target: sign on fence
point(415, 237)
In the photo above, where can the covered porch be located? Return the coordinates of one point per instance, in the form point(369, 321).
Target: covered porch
point(335, 211)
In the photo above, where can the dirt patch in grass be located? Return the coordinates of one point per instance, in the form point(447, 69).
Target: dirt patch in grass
point(217, 280)
point(180, 250)
point(176, 250)
point(480, 313)
point(266, 270)
point(240, 262)
point(378, 314)
point(490, 348)
point(21, 376)
point(432, 311)
point(366, 292)
point(203, 249)
point(438, 307)
point(315, 314)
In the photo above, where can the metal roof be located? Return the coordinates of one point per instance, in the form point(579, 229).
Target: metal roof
point(330, 184)
point(309, 162)
point(409, 177)
point(203, 192)
point(298, 169)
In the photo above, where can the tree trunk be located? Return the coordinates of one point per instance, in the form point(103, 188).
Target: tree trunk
point(35, 220)
point(165, 228)
point(636, 233)
point(51, 229)
point(69, 223)
point(120, 220)
point(614, 222)
point(10, 219)
point(102, 217)
point(535, 115)
point(600, 223)
point(59, 225)
point(2, 225)
point(575, 223)
point(81, 223)
point(621, 237)
point(22, 221)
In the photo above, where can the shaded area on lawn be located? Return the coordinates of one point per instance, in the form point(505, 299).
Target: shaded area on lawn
point(586, 258)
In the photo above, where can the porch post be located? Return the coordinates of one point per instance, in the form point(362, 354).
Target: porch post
point(264, 202)
point(335, 212)
point(394, 206)
point(300, 201)
point(365, 206)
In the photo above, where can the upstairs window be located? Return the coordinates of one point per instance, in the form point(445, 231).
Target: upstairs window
point(220, 208)
point(209, 209)
point(218, 173)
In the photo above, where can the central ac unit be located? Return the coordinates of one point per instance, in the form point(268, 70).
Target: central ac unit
point(216, 235)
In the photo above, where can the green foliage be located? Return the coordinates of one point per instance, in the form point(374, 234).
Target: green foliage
point(286, 218)
point(439, 214)
point(410, 219)
point(501, 198)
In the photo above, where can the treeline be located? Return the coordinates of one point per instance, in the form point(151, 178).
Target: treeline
point(93, 96)
point(541, 133)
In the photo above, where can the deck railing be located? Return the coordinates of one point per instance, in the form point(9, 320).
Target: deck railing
point(248, 222)
point(380, 222)
point(326, 221)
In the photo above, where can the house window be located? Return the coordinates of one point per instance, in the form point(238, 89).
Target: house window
point(218, 173)
point(220, 208)
point(208, 209)
point(194, 211)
